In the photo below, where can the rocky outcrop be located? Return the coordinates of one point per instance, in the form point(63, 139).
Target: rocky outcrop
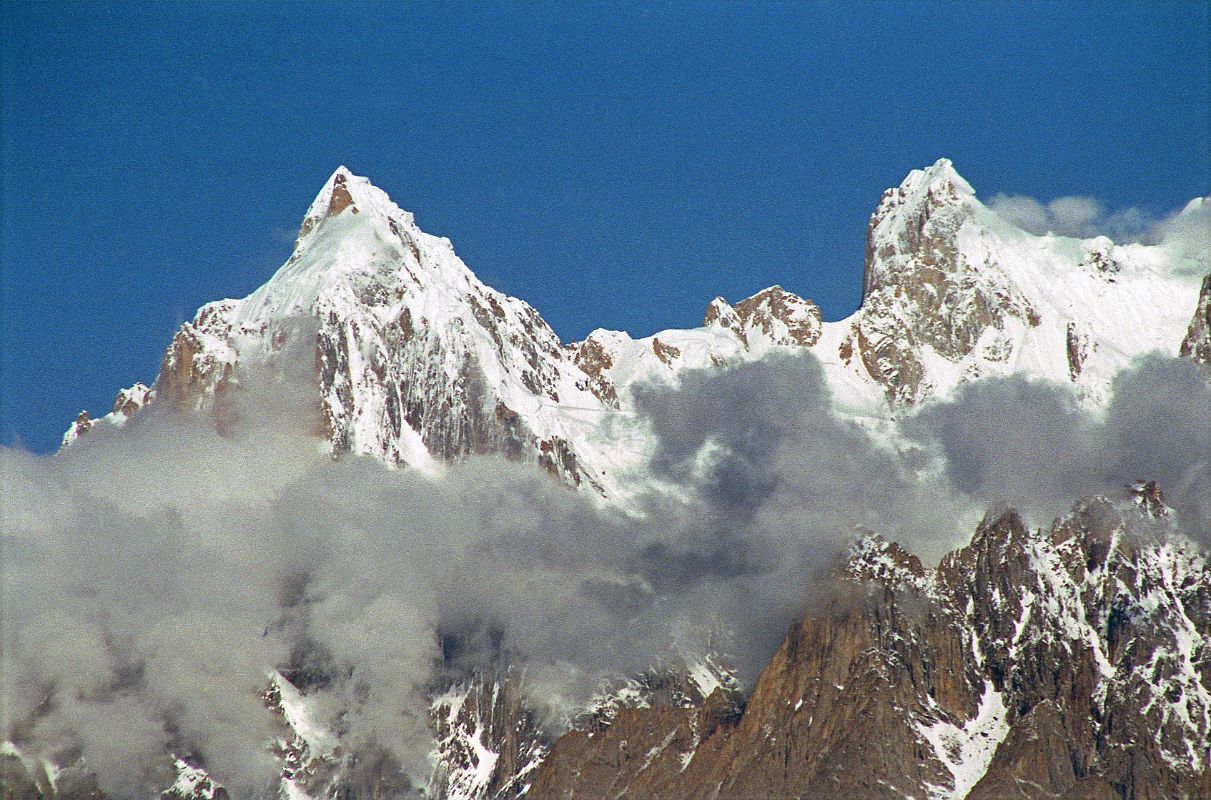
point(595, 363)
point(126, 405)
point(332, 200)
point(1099, 258)
point(1069, 663)
point(129, 401)
point(193, 783)
point(781, 317)
point(1077, 349)
point(199, 361)
point(771, 317)
point(667, 353)
point(1197, 344)
point(82, 425)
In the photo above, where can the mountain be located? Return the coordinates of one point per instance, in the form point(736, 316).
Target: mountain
point(1068, 662)
point(1074, 662)
point(418, 362)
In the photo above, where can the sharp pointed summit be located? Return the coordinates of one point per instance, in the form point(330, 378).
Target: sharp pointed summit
point(345, 191)
point(941, 175)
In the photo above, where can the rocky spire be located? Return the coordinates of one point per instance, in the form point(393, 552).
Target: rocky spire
point(934, 197)
point(1197, 344)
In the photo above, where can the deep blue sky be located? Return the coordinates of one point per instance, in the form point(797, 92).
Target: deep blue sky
point(614, 165)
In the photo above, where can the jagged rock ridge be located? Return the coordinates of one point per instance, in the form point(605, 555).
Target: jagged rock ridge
point(1074, 662)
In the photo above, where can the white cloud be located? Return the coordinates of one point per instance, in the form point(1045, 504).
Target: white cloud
point(154, 575)
point(1072, 215)
point(1187, 231)
point(1021, 210)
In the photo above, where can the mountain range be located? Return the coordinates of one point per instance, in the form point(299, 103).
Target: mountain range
point(1070, 660)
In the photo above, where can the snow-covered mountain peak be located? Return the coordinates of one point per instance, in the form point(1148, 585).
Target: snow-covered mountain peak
point(417, 360)
point(940, 177)
point(354, 245)
point(420, 362)
point(921, 215)
point(953, 292)
point(344, 190)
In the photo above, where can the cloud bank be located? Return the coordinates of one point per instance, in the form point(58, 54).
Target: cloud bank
point(155, 576)
point(1030, 444)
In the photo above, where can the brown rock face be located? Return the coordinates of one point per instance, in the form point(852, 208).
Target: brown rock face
point(773, 314)
point(1197, 344)
point(1077, 346)
point(81, 426)
point(341, 199)
point(1099, 258)
point(338, 201)
point(1068, 663)
point(665, 352)
point(127, 403)
point(827, 718)
point(1150, 499)
point(408, 368)
point(720, 314)
point(190, 372)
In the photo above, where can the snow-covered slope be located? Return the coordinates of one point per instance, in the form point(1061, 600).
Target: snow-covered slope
point(418, 362)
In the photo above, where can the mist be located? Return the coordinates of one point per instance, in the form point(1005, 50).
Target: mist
point(1032, 445)
point(155, 576)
